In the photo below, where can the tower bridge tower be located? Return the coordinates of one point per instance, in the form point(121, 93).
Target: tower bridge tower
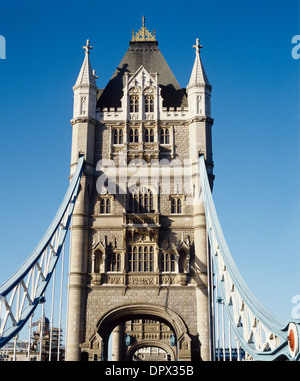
point(138, 265)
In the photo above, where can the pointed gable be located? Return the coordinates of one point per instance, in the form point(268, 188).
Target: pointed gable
point(142, 79)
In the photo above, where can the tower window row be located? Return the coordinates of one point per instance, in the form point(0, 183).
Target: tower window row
point(141, 200)
point(134, 103)
point(134, 135)
point(141, 258)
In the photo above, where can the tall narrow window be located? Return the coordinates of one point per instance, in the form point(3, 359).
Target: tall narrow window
point(141, 259)
point(134, 135)
point(118, 136)
point(105, 205)
point(165, 136)
point(141, 201)
point(176, 205)
point(168, 262)
point(113, 262)
point(134, 103)
point(149, 135)
point(149, 103)
point(83, 106)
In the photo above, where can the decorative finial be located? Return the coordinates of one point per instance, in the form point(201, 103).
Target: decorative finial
point(87, 47)
point(143, 34)
point(197, 46)
point(94, 74)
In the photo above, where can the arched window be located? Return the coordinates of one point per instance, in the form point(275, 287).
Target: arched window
point(133, 135)
point(134, 103)
point(140, 258)
point(149, 135)
point(113, 262)
point(149, 103)
point(165, 136)
point(118, 136)
point(105, 205)
point(141, 201)
point(176, 205)
point(168, 262)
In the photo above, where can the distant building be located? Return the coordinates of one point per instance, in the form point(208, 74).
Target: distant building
point(19, 351)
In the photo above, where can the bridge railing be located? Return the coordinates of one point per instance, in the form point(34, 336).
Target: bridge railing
point(261, 335)
point(21, 294)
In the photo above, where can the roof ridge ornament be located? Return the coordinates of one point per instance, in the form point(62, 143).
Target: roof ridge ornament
point(143, 34)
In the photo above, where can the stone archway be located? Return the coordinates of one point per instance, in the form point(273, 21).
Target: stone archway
point(149, 343)
point(122, 313)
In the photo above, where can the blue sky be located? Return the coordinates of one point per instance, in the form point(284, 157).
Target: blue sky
point(255, 104)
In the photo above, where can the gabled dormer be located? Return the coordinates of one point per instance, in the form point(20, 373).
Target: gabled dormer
point(142, 98)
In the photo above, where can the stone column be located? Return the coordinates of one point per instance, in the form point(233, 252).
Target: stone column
point(77, 276)
point(116, 343)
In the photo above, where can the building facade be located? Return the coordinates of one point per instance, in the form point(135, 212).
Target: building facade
point(138, 237)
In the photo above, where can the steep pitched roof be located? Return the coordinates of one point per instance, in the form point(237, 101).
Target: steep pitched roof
point(147, 54)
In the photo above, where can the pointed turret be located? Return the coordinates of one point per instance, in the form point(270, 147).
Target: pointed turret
point(198, 92)
point(86, 76)
point(198, 76)
point(85, 88)
point(199, 88)
point(84, 110)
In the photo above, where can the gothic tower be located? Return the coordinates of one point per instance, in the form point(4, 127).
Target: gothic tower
point(138, 262)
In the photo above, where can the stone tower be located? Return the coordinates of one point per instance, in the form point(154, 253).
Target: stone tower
point(138, 266)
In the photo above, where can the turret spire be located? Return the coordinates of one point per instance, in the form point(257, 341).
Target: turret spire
point(198, 76)
point(85, 88)
point(86, 75)
point(199, 88)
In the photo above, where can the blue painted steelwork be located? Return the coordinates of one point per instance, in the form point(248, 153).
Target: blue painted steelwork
point(61, 223)
point(234, 290)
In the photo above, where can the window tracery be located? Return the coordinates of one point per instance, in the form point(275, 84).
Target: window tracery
point(165, 136)
point(113, 262)
point(118, 136)
point(141, 258)
point(168, 262)
point(141, 200)
point(134, 135)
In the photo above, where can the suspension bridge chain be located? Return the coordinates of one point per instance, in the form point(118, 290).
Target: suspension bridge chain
point(25, 290)
point(260, 334)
